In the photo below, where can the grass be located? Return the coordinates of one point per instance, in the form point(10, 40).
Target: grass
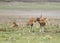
point(15, 38)
point(55, 6)
point(20, 36)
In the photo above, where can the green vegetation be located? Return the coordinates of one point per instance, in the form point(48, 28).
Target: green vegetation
point(24, 36)
point(55, 6)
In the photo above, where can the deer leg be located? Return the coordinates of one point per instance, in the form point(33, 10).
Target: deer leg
point(42, 27)
point(41, 30)
point(31, 30)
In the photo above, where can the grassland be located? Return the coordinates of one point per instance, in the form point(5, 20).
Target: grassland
point(19, 5)
point(22, 35)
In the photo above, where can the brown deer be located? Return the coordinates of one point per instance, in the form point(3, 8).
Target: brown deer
point(42, 22)
point(15, 25)
point(31, 22)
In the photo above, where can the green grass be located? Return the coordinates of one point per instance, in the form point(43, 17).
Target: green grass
point(16, 38)
point(20, 36)
point(30, 6)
